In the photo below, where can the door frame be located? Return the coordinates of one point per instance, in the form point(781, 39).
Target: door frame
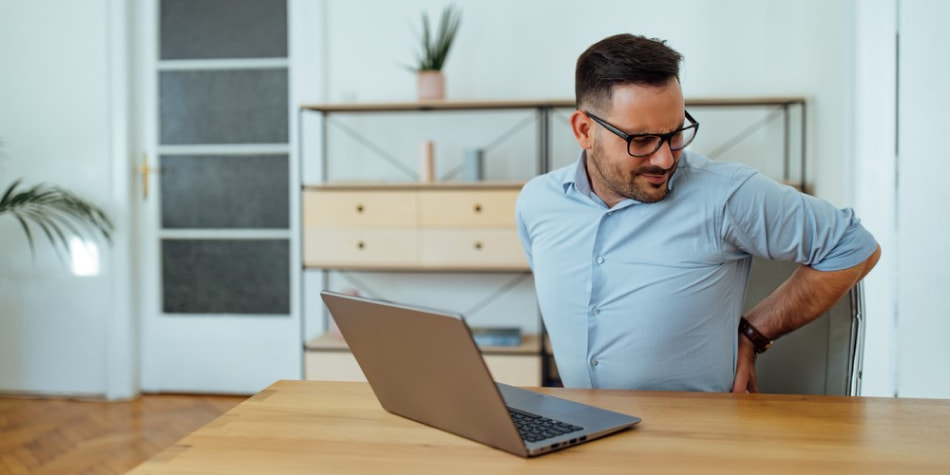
point(122, 368)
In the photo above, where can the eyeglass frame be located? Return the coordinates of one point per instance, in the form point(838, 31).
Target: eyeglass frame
point(667, 137)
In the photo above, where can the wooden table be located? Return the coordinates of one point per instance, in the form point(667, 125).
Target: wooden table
point(326, 427)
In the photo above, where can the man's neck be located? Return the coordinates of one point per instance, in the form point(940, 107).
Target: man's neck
point(609, 198)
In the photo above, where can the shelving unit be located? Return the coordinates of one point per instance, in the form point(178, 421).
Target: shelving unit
point(449, 226)
point(412, 226)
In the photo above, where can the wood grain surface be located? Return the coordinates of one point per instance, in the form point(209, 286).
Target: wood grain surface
point(323, 427)
point(69, 436)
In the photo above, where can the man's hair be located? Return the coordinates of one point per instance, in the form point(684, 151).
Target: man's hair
point(622, 59)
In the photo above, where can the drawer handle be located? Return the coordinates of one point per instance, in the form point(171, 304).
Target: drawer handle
point(360, 245)
point(478, 208)
point(478, 245)
point(359, 208)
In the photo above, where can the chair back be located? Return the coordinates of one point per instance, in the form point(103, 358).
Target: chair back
point(823, 357)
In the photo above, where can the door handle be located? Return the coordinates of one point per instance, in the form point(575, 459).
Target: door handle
point(145, 170)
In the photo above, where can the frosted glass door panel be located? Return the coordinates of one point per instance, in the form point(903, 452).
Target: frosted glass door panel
point(201, 29)
point(226, 276)
point(239, 191)
point(241, 106)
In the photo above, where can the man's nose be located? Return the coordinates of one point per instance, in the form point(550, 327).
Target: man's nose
point(663, 157)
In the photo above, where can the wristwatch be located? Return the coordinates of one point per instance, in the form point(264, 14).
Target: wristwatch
point(759, 341)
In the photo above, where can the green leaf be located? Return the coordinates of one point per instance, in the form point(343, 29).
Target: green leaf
point(435, 49)
point(58, 213)
point(29, 235)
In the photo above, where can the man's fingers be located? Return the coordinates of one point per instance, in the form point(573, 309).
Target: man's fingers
point(745, 384)
point(753, 384)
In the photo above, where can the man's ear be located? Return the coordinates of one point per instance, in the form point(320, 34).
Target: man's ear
point(580, 125)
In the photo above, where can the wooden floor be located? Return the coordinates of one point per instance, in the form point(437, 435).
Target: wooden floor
point(93, 437)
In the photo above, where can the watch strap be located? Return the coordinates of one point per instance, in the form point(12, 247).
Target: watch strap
point(759, 341)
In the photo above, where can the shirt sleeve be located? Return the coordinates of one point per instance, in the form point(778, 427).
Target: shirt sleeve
point(775, 221)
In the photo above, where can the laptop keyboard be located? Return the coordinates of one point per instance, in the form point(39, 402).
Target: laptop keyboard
point(534, 428)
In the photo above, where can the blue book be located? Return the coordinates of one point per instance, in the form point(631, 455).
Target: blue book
point(497, 336)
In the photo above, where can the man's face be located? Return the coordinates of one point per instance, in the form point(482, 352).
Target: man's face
point(635, 109)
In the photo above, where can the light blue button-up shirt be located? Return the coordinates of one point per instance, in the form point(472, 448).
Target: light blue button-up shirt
point(649, 295)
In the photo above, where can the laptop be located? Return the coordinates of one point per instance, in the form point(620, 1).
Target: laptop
point(423, 364)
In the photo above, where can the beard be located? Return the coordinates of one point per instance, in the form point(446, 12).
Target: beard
point(628, 183)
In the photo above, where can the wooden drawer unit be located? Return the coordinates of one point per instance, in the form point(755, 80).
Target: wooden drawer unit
point(412, 227)
point(360, 228)
point(474, 248)
point(468, 208)
point(515, 370)
point(362, 248)
point(332, 366)
point(371, 208)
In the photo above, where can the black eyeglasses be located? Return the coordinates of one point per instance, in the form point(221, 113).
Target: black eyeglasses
point(644, 145)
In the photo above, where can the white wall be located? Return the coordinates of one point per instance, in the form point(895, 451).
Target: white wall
point(873, 157)
point(898, 110)
point(58, 332)
point(923, 219)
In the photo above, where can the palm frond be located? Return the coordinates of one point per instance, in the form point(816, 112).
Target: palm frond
point(26, 230)
point(435, 48)
point(58, 213)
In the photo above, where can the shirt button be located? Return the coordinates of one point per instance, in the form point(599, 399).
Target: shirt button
point(610, 213)
point(593, 362)
point(595, 311)
point(600, 260)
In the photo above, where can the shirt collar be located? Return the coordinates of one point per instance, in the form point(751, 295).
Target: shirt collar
point(581, 180)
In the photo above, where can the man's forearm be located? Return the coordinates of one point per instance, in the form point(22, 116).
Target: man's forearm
point(804, 296)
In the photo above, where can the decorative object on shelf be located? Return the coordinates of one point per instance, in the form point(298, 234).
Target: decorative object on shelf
point(473, 165)
point(58, 213)
point(434, 52)
point(430, 85)
point(427, 162)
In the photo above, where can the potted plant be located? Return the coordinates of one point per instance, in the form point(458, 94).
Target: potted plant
point(57, 213)
point(434, 52)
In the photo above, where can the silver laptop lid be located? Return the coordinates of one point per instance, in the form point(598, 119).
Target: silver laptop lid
point(424, 365)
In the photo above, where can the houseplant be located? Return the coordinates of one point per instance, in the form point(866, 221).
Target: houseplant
point(57, 213)
point(433, 53)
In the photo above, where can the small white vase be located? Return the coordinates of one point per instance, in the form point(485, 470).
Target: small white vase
point(431, 85)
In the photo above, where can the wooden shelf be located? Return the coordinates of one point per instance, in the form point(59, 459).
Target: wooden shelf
point(451, 105)
point(414, 185)
point(501, 104)
point(422, 268)
point(530, 345)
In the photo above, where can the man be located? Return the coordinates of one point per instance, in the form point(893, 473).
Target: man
point(641, 250)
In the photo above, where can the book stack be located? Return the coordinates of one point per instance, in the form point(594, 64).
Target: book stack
point(497, 336)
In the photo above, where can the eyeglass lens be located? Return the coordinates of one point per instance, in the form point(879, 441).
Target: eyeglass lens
point(648, 144)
